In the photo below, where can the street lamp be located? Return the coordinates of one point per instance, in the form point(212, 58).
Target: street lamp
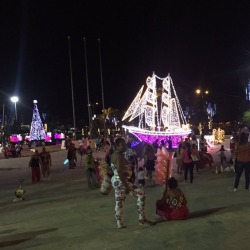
point(202, 107)
point(15, 100)
point(199, 91)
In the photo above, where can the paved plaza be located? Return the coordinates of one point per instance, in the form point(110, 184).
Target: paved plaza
point(64, 214)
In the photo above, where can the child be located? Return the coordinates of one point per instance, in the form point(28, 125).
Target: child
point(223, 158)
point(141, 177)
point(90, 169)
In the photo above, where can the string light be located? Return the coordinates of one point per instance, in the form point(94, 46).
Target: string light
point(169, 120)
point(133, 105)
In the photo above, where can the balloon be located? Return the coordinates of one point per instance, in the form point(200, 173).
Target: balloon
point(159, 180)
point(160, 158)
point(158, 153)
point(164, 151)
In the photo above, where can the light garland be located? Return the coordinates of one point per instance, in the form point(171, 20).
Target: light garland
point(168, 121)
point(37, 131)
point(133, 105)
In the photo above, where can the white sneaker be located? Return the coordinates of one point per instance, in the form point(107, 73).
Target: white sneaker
point(235, 190)
point(227, 169)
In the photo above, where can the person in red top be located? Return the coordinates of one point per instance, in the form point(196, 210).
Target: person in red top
point(188, 162)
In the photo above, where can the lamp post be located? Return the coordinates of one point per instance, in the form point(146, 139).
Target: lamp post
point(15, 100)
point(202, 114)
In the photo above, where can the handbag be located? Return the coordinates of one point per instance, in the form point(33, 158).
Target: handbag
point(106, 185)
point(195, 157)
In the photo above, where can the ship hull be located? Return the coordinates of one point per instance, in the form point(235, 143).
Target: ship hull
point(150, 137)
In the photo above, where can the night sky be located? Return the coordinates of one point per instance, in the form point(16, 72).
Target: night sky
point(202, 44)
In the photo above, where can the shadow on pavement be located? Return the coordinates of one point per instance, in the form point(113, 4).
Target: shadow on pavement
point(197, 214)
point(22, 237)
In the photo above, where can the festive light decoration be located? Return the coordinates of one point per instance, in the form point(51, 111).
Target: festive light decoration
point(157, 119)
point(219, 135)
point(37, 131)
point(133, 105)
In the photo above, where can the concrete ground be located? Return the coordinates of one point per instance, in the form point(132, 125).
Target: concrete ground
point(64, 214)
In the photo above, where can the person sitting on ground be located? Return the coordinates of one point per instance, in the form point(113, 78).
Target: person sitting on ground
point(173, 205)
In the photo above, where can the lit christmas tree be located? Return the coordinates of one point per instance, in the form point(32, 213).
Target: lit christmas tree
point(37, 131)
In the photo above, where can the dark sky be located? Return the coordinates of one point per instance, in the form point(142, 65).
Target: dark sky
point(200, 43)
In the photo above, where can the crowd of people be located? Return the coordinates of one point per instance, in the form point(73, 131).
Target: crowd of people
point(12, 150)
point(127, 176)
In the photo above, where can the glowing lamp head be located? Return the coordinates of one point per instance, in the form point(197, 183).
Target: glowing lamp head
point(198, 91)
point(14, 99)
point(35, 101)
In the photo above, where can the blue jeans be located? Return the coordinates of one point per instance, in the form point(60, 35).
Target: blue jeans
point(239, 169)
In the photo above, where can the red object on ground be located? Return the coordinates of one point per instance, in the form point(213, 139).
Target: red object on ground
point(163, 210)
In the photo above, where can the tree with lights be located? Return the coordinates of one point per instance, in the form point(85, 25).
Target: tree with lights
point(37, 131)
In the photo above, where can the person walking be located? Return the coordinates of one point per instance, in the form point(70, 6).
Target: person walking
point(195, 156)
point(242, 154)
point(46, 164)
point(122, 170)
point(141, 177)
point(149, 162)
point(71, 156)
point(188, 162)
point(223, 159)
point(35, 164)
point(90, 169)
point(179, 158)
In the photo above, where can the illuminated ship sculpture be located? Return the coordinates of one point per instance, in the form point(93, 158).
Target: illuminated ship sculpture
point(159, 113)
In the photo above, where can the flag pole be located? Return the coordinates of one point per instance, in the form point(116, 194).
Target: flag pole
point(87, 83)
point(103, 106)
point(72, 90)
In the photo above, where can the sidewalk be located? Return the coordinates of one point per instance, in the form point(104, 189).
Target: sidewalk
point(64, 214)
